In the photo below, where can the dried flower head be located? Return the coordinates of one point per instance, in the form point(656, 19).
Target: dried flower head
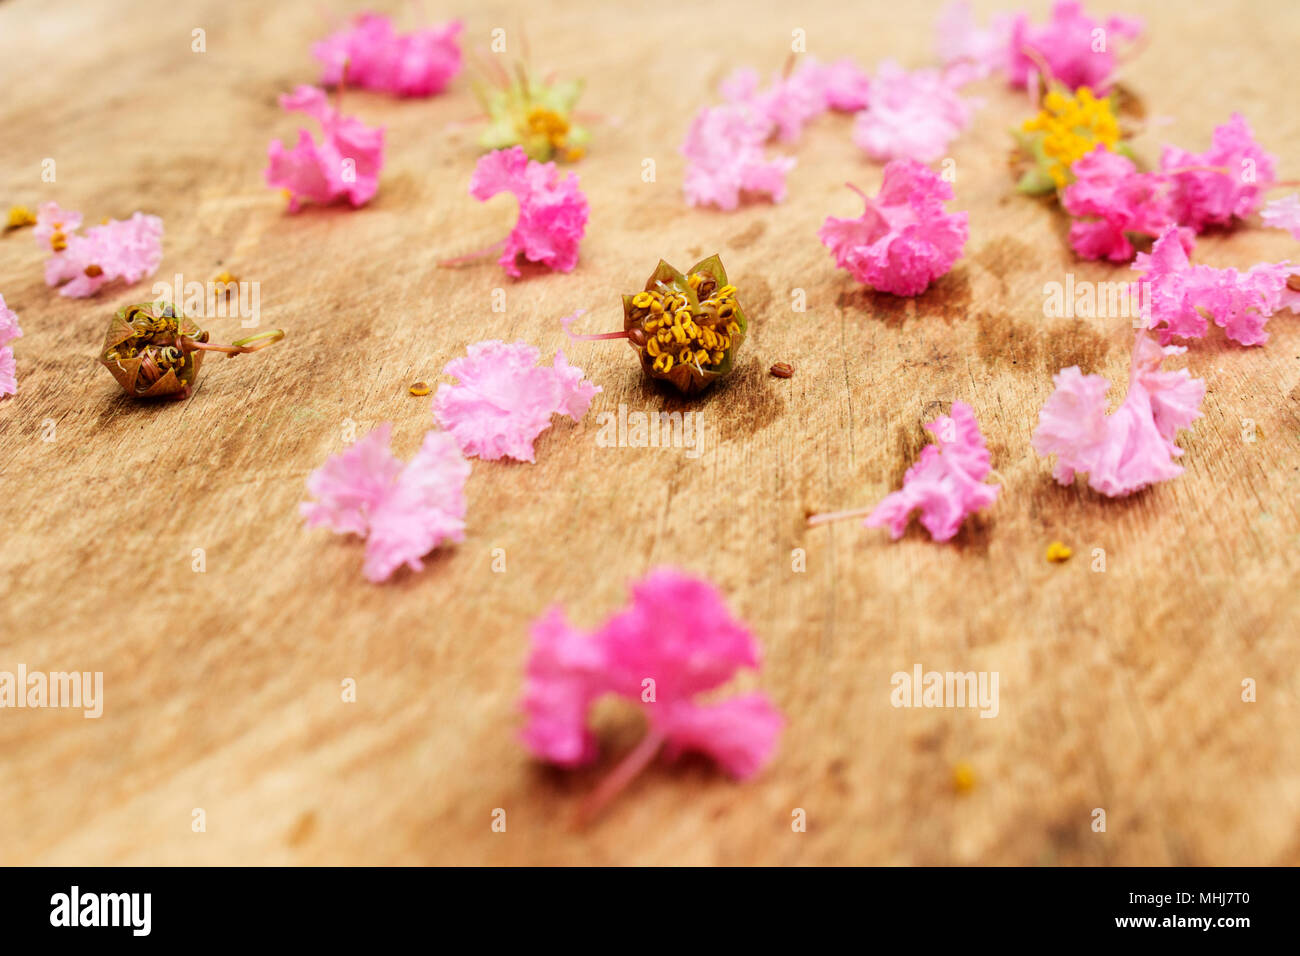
point(154, 351)
point(685, 328)
point(1067, 128)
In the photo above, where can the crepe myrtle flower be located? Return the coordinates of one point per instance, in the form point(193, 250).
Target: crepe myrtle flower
point(153, 351)
point(685, 327)
point(376, 57)
point(344, 165)
point(945, 485)
point(675, 641)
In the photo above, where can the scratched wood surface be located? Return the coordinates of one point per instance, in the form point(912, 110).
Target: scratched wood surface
point(222, 689)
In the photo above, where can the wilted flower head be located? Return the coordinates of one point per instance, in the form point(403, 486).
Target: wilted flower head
point(154, 351)
point(374, 56)
point(535, 115)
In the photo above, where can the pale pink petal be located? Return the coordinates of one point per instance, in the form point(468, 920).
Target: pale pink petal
point(503, 400)
point(1183, 297)
point(50, 218)
point(960, 41)
point(1284, 213)
point(726, 160)
point(8, 372)
point(945, 484)
point(425, 508)
point(9, 327)
point(1124, 201)
point(351, 485)
point(904, 240)
point(911, 115)
point(404, 511)
point(1131, 448)
point(129, 249)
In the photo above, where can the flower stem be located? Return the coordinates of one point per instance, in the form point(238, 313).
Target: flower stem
point(627, 770)
point(472, 256)
point(830, 516)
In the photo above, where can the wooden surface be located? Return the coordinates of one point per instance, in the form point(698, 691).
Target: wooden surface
point(1119, 690)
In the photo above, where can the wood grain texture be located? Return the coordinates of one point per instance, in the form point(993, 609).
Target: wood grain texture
point(1119, 690)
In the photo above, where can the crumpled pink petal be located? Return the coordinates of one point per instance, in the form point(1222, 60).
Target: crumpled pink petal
point(1182, 295)
point(127, 249)
point(377, 57)
point(344, 165)
point(504, 400)
point(1283, 213)
point(1132, 448)
point(1204, 197)
point(904, 240)
point(1117, 201)
point(9, 330)
point(959, 41)
point(945, 484)
point(1066, 42)
point(912, 114)
point(726, 159)
point(789, 102)
point(677, 637)
point(552, 209)
point(403, 511)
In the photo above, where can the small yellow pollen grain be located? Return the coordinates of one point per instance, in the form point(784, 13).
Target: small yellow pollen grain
point(420, 388)
point(1058, 553)
point(963, 777)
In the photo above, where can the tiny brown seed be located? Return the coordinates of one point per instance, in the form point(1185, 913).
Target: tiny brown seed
point(782, 370)
point(420, 388)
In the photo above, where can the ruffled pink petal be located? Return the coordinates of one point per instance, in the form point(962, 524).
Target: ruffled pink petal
point(1133, 447)
point(350, 485)
point(1182, 295)
point(565, 674)
point(912, 115)
point(8, 372)
point(345, 164)
point(50, 218)
point(739, 734)
point(503, 401)
point(1204, 197)
point(552, 209)
point(945, 484)
point(1284, 213)
point(904, 240)
point(960, 41)
point(404, 511)
point(377, 57)
point(425, 508)
point(129, 249)
point(726, 160)
point(1111, 200)
point(9, 327)
point(1067, 42)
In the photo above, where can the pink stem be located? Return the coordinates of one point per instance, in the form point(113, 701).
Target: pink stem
point(627, 771)
point(596, 337)
point(838, 516)
point(471, 256)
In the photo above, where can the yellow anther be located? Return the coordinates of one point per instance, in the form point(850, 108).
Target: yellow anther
point(664, 363)
point(681, 316)
point(733, 328)
point(694, 280)
point(652, 346)
point(1057, 552)
point(679, 334)
point(725, 291)
point(657, 305)
point(685, 355)
point(665, 335)
point(717, 357)
point(20, 216)
point(641, 300)
point(702, 357)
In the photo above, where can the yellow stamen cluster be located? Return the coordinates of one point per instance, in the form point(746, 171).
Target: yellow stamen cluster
point(675, 335)
point(1072, 127)
point(1057, 552)
point(555, 128)
point(20, 216)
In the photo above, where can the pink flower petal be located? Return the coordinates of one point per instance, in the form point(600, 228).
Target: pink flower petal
point(8, 372)
point(675, 640)
point(726, 160)
point(1182, 295)
point(1107, 185)
point(404, 511)
point(552, 209)
point(1131, 448)
point(904, 240)
point(376, 57)
point(912, 115)
point(344, 165)
point(1284, 213)
point(503, 400)
point(1203, 197)
point(129, 249)
point(1068, 43)
point(946, 484)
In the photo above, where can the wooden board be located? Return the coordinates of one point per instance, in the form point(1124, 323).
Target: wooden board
point(1119, 689)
